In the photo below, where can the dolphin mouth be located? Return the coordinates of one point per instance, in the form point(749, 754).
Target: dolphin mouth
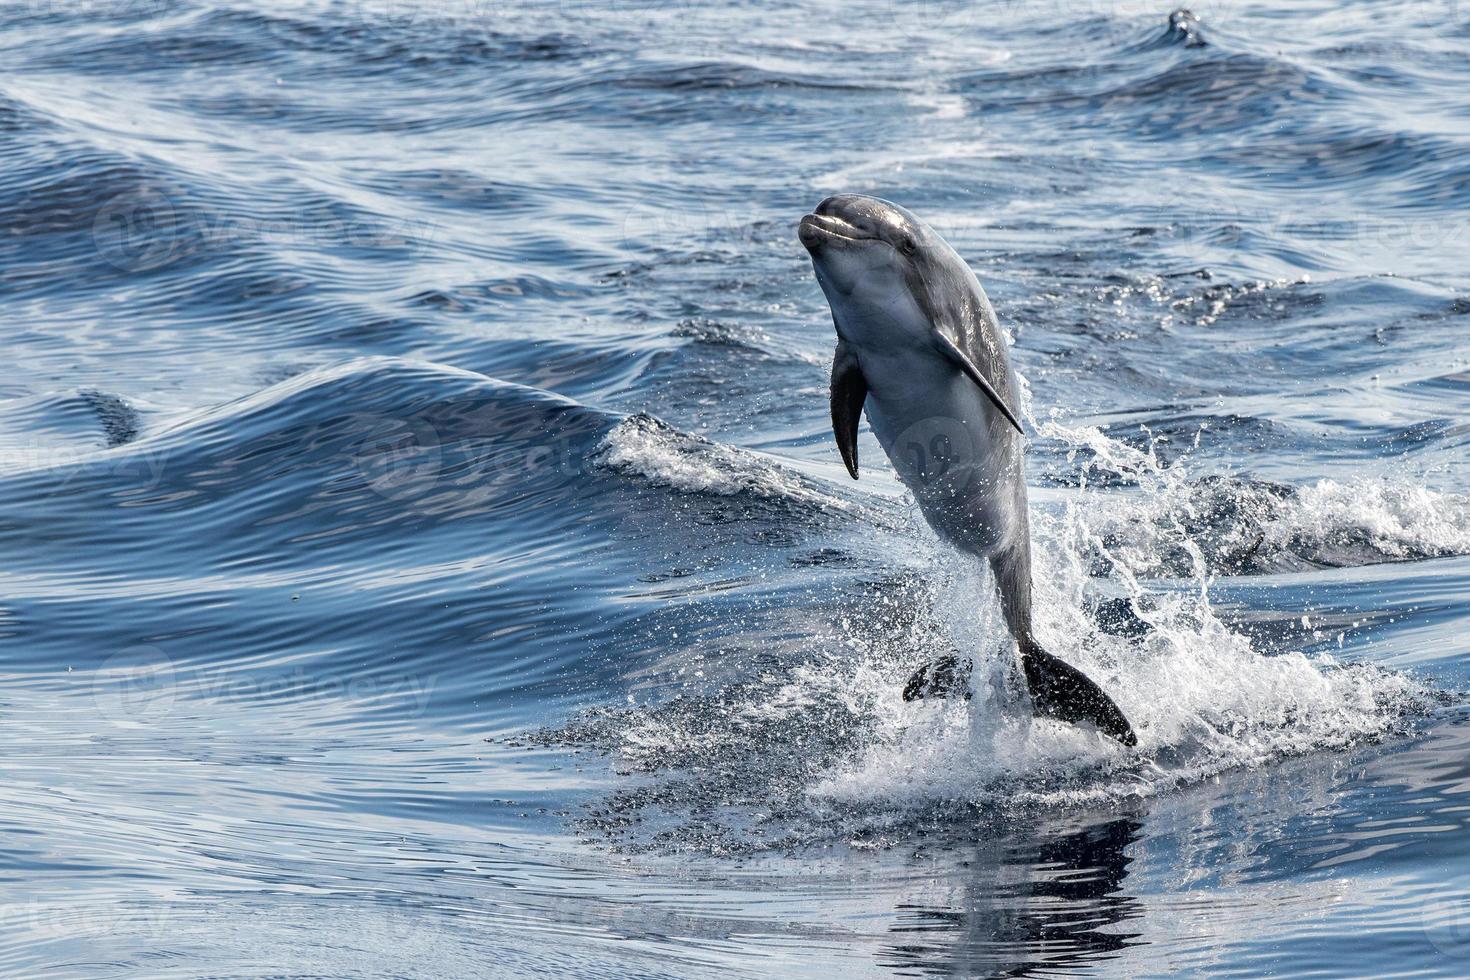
point(815, 229)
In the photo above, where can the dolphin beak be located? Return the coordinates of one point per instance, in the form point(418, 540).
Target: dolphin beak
point(810, 231)
point(817, 230)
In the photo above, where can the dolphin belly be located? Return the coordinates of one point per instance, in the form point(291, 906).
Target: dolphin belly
point(958, 456)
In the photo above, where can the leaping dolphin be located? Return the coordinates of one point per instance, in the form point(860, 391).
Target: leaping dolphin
point(919, 347)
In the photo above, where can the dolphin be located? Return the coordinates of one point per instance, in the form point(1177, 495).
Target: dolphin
point(919, 348)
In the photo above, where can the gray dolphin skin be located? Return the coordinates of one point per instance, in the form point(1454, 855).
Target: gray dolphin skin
point(919, 348)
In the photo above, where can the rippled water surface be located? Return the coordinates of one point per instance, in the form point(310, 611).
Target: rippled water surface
point(426, 553)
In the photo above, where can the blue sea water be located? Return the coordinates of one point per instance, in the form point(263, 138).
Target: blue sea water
point(425, 552)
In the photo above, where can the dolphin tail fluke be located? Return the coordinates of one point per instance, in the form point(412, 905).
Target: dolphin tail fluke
point(1058, 690)
point(1061, 691)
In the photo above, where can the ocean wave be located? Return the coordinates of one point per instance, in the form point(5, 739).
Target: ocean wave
point(1171, 524)
point(80, 422)
point(1206, 90)
point(17, 117)
point(1250, 527)
point(99, 215)
point(363, 445)
point(643, 446)
point(191, 37)
point(718, 333)
point(315, 40)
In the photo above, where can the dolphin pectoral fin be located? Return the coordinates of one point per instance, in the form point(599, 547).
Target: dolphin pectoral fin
point(943, 678)
point(849, 391)
point(1061, 691)
point(962, 360)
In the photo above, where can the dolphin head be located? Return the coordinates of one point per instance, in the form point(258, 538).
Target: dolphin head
point(873, 259)
point(896, 286)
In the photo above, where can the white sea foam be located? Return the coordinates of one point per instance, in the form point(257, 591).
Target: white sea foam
point(1200, 697)
point(1177, 525)
point(1243, 527)
point(829, 743)
point(1399, 519)
point(647, 447)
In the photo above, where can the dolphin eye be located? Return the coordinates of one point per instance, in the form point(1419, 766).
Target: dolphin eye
point(907, 245)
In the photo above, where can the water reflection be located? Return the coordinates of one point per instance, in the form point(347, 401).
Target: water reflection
point(1033, 898)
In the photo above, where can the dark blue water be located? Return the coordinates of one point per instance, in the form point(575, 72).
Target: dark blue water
point(425, 552)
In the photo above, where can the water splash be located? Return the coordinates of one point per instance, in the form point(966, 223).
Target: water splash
point(822, 746)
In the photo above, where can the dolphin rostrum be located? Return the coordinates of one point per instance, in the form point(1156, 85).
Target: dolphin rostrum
point(919, 347)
